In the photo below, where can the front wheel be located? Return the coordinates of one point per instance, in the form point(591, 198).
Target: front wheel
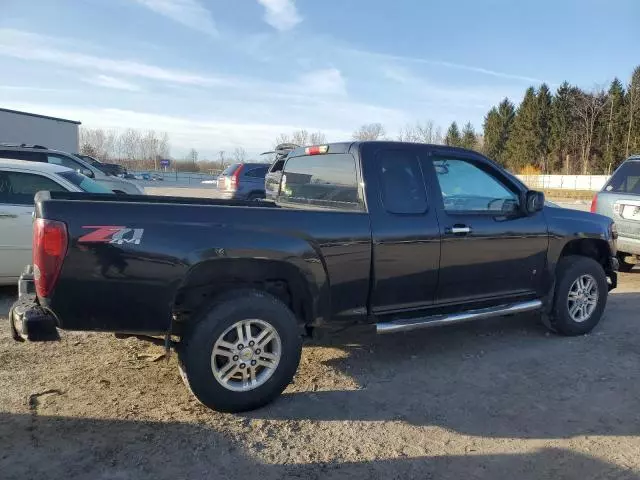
point(242, 353)
point(580, 296)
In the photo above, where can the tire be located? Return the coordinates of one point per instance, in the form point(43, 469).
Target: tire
point(217, 327)
point(255, 197)
point(624, 266)
point(568, 272)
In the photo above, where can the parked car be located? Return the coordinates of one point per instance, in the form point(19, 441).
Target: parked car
point(243, 181)
point(619, 199)
point(19, 182)
point(37, 153)
point(397, 235)
point(274, 174)
point(108, 168)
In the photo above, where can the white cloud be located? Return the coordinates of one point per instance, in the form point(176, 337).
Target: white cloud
point(112, 82)
point(208, 136)
point(463, 98)
point(29, 46)
point(439, 63)
point(324, 82)
point(189, 13)
point(281, 14)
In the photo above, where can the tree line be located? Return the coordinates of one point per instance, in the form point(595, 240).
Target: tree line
point(572, 131)
point(569, 131)
point(133, 148)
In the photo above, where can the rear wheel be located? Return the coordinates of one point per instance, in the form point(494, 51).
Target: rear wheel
point(242, 353)
point(580, 296)
point(255, 197)
point(624, 266)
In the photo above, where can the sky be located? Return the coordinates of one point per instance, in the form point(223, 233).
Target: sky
point(221, 74)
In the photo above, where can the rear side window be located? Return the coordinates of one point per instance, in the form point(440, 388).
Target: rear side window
point(626, 179)
point(323, 181)
point(64, 161)
point(259, 172)
point(18, 188)
point(401, 183)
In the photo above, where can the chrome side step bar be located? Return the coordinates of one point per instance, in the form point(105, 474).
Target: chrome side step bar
point(405, 325)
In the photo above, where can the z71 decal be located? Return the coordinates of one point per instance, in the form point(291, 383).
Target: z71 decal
point(112, 234)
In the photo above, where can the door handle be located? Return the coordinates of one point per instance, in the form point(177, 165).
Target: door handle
point(7, 215)
point(458, 229)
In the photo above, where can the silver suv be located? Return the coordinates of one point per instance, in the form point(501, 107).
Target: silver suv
point(620, 200)
point(37, 153)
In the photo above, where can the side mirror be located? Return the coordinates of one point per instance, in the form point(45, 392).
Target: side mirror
point(86, 172)
point(534, 202)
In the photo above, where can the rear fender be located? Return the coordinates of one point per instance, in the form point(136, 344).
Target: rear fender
point(301, 282)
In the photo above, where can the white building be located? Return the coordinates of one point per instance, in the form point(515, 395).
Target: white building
point(30, 128)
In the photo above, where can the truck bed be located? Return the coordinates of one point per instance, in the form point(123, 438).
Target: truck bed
point(130, 259)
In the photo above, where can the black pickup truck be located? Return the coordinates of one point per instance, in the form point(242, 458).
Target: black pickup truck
point(397, 235)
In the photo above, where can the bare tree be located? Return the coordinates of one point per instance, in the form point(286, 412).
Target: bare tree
point(317, 138)
point(221, 159)
point(131, 147)
point(370, 131)
point(587, 108)
point(301, 137)
point(239, 155)
point(419, 133)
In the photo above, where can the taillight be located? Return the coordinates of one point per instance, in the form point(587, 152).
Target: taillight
point(316, 150)
point(50, 241)
point(235, 177)
point(594, 204)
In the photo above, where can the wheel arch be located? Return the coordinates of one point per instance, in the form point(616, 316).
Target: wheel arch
point(595, 248)
point(210, 280)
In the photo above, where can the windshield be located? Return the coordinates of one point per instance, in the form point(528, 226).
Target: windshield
point(84, 183)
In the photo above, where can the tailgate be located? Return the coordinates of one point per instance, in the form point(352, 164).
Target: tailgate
point(627, 217)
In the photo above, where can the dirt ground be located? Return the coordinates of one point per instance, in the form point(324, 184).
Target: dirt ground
point(499, 399)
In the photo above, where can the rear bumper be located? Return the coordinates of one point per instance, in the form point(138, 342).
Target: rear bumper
point(27, 319)
point(228, 195)
point(628, 245)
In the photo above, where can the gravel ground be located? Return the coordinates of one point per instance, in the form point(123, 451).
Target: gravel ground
point(496, 399)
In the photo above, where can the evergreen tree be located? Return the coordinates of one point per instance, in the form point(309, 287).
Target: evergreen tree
point(468, 139)
point(563, 137)
point(497, 127)
point(453, 136)
point(543, 126)
point(523, 141)
point(633, 117)
point(614, 127)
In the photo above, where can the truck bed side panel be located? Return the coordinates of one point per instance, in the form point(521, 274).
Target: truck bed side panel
point(128, 287)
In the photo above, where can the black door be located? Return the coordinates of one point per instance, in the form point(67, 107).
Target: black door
point(490, 250)
point(406, 237)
